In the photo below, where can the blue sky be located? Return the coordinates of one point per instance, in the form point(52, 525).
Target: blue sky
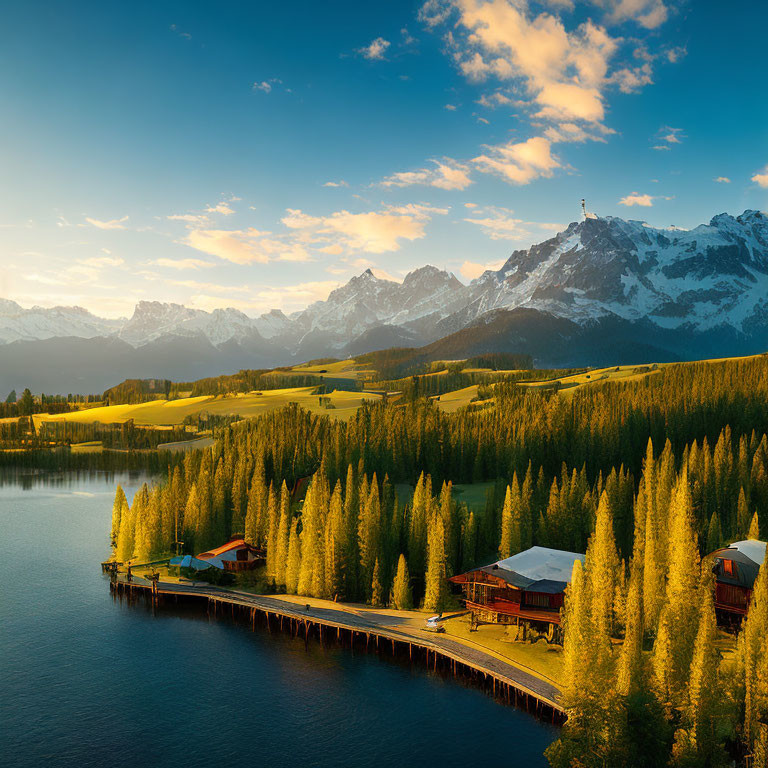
point(255, 154)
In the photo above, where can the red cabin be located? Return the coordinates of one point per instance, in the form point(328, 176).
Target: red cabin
point(735, 568)
point(235, 555)
point(525, 589)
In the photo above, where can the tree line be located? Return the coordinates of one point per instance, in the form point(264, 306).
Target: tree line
point(665, 694)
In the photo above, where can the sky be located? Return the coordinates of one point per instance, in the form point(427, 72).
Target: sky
point(256, 155)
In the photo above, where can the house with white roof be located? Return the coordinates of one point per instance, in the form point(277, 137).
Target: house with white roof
point(526, 589)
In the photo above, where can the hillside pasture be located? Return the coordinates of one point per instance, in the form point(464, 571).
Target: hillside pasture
point(450, 402)
point(568, 384)
point(164, 413)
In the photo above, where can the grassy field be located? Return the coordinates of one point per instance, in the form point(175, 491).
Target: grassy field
point(450, 402)
point(341, 369)
point(472, 494)
point(164, 413)
point(569, 384)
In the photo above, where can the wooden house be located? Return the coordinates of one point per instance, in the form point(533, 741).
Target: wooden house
point(735, 568)
point(235, 555)
point(526, 590)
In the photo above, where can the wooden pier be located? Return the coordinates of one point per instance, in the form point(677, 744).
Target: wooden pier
point(504, 680)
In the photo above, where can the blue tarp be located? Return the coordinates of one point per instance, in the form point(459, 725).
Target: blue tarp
point(187, 561)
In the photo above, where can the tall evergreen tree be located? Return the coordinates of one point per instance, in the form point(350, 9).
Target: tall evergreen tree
point(435, 594)
point(402, 596)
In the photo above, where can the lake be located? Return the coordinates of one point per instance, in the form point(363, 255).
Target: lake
point(91, 681)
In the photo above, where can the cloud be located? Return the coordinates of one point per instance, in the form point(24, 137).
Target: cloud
point(102, 261)
point(375, 50)
point(223, 207)
point(670, 137)
point(633, 79)
point(237, 246)
point(722, 180)
point(191, 218)
point(647, 13)
point(340, 183)
point(111, 224)
point(500, 224)
point(761, 177)
point(450, 107)
point(519, 163)
point(472, 269)
point(571, 132)
point(645, 201)
point(371, 232)
point(341, 232)
point(185, 35)
point(563, 72)
point(266, 86)
point(182, 263)
point(447, 174)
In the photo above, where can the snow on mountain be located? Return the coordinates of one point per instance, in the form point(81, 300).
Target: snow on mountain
point(18, 324)
point(367, 301)
point(713, 275)
point(153, 319)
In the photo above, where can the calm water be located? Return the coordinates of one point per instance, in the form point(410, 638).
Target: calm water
point(87, 681)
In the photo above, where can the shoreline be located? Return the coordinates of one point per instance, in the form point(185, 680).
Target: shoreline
point(503, 678)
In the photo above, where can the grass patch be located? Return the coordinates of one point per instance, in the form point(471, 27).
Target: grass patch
point(165, 413)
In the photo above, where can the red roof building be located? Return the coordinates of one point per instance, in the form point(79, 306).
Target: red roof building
point(235, 555)
point(735, 568)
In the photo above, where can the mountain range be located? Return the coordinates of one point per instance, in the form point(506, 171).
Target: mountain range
point(605, 290)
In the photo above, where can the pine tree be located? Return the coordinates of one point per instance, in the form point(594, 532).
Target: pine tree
point(602, 565)
point(576, 638)
point(679, 613)
point(283, 534)
point(293, 566)
point(754, 528)
point(119, 505)
point(335, 543)
point(402, 596)
point(125, 537)
point(435, 577)
point(742, 515)
point(714, 533)
point(377, 588)
point(369, 536)
point(750, 654)
point(273, 516)
point(631, 658)
point(703, 689)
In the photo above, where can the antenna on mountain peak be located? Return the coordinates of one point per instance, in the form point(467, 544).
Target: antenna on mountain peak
point(585, 212)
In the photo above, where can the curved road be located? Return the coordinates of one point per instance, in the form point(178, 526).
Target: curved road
point(382, 624)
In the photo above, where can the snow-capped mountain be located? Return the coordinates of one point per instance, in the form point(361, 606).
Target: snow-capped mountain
point(152, 320)
point(367, 301)
point(18, 324)
point(669, 289)
point(710, 276)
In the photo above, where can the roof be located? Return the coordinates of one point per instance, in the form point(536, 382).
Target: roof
point(752, 548)
point(538, 569)
point(749, 556)
point(228, 547)
point(542, 563)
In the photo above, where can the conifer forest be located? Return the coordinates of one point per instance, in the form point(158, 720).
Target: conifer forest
point(647, 477)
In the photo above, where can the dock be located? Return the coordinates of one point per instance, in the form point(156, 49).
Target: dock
point(504, 680)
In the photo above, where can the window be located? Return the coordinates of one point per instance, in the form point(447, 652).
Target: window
point(729, 568)
point(537, 599)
